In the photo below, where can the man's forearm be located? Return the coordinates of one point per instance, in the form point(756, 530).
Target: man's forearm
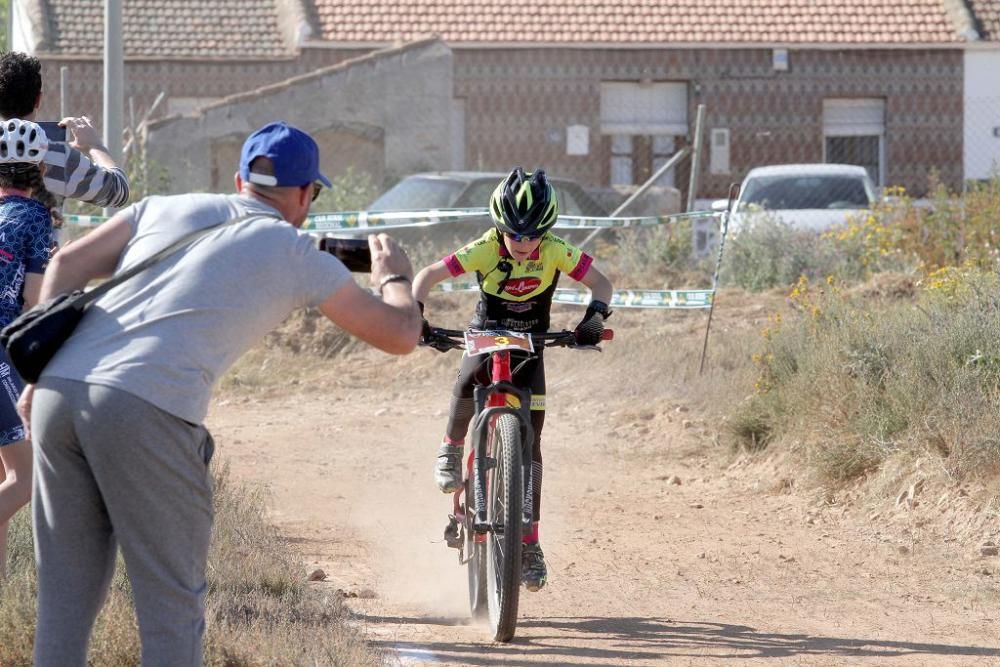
point(60, 277)
point(88, 175)
point(94, 256)
point(404, 306)
point(99, 155)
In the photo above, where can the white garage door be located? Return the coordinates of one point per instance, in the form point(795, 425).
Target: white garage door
point(644, 108)
point(854, 133)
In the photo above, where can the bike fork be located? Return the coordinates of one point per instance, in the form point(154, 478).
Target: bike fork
point(528, 472)
point(480, 465)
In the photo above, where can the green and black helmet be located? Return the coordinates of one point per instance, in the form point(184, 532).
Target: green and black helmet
point(524, 205)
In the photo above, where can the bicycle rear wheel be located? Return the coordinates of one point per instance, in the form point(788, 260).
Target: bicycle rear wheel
point(476, 554)
point(503, 544)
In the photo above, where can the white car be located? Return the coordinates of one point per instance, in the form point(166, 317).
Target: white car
point(804, 196)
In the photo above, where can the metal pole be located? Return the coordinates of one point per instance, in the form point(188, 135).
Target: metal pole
point(131, 128)
point(114, 80)
point(63, 92)
point(734, 191)
point(667, 166)
point(695, 158)
point(9, 44)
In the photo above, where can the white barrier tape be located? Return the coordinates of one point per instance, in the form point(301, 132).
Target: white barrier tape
point(84, 220)
point(637, 298)
point(583, 222)
point(362, 222)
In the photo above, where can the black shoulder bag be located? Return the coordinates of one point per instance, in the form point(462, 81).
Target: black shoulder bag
point(36, 335)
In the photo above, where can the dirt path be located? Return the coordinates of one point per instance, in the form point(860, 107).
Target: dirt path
point(733, 563)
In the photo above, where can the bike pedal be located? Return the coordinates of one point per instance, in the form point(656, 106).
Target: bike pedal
point(453, 533)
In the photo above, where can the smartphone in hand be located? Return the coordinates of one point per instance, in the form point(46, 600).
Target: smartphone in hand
point(54, 132)
point(354, 253)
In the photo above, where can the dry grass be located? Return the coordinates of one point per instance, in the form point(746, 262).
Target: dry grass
point(259, 609)
point(863, 381)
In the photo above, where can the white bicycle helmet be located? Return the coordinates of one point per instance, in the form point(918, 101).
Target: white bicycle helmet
point(22, 141)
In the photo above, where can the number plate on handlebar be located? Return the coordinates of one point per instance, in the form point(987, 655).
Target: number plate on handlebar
point(485, 342)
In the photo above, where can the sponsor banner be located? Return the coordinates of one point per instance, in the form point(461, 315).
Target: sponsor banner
point(363, 222)
point(637, 298)
point(643, 298)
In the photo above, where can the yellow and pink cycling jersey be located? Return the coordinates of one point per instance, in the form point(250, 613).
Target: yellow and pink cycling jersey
point(517, 295)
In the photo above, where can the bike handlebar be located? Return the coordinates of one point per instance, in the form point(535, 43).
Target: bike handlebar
point(454, 339)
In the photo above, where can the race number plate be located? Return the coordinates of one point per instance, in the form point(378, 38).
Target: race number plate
point(485, 342)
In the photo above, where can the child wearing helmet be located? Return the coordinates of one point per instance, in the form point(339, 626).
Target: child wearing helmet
point(517, 264)
point(25, 244)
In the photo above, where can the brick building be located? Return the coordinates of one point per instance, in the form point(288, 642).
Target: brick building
point(601, 91)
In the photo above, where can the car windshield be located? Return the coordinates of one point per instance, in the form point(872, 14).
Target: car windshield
point(807, 192)
point(478, 193)
point(417, 193)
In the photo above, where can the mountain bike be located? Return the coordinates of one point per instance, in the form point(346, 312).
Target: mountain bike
point(495, 505)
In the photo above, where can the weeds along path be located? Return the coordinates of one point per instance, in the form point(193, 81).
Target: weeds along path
point(663, 548)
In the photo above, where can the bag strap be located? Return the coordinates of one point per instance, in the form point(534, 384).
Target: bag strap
point(186, 240)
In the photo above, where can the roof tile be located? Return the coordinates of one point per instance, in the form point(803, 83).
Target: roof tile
point(988, 13)
point(188, 28)
point(252, 28)
point(649, 21)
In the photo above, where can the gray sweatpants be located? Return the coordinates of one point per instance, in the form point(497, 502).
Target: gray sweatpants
point(112, 469)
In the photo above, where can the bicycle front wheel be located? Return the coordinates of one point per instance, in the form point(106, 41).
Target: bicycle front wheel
point(476, 553)
point(503, 546)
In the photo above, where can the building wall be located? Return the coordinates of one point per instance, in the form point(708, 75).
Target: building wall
point(518, 103)
point(982, 114)
point(387, 112)
point(186, 79)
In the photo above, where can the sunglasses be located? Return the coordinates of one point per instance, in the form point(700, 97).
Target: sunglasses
point(523, 237)
point(317, 188)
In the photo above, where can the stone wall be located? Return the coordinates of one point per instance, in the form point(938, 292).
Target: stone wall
point(387, 113)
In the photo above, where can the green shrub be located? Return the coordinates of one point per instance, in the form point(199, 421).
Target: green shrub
point(652, 257)
point(771, 253)
point(353, 190)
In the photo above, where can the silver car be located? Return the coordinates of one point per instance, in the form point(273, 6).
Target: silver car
point(471, 189)
point(803, 196)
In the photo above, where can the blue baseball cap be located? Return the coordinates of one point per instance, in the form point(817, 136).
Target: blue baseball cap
point(293, 152)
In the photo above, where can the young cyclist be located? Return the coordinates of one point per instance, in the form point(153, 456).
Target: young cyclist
point(517, 264)
point(25, 243)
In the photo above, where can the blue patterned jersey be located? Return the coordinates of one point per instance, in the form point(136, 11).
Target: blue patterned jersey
point(25, 247)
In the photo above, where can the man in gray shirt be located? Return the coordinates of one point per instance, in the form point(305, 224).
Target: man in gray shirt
point(121, 457)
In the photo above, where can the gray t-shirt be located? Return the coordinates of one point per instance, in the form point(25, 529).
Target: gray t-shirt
point(168, 334)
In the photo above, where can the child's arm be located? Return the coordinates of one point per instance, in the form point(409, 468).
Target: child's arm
point(428, 277)
point(591, 327)
point(600, 286)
